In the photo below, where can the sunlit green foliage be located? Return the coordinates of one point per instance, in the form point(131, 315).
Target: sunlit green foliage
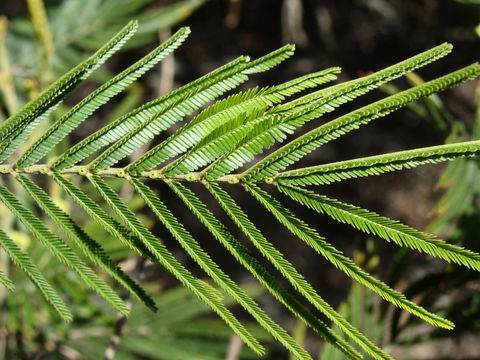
point(226, 136)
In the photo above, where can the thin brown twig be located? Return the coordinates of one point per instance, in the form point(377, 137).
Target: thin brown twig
point(234, 347)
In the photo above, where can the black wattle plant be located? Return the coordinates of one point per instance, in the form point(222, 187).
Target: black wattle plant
point(209, 149)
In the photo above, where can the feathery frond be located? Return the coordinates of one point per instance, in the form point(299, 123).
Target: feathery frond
point(207, 148)
point(205, 262)
point(241, 253)
point(73, 118)
point(378, 164)
point(106, 222)
point(308, 291)
point(148, 112)
point(387, 229)
point(189, 102)
point(60, 250)
point(339, 94)
point(301, 146)
point(20, 125)
point(224, 110)
point(89, 246)
point(296, 113)
point(166, 259)
point(318, 243)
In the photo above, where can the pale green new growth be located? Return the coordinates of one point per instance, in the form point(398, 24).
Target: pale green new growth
point(227, 135)
point(219, 113)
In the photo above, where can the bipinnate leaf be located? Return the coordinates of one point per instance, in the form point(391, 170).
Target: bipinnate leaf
point(283, 119)
point(60, 250)
point(209, 89)
point(221, 112)
point(209, 139)
point(193, 248)
point(241, 253)
point(89, 246)
point(318, 243)
point(306, 289)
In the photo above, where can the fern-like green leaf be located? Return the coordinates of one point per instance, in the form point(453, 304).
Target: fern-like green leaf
point(167, 260)
point(213, 146)
point(208, 148)
point(241, 254)
point(299, 282)
point(297, 112)
point(387, 229)
point(337, 95)
point(298, 148)
point(22, 259)
point(106, 222)
point(280, 334)
point(197, 253)
point(60, 250)
point(97, 98)
point(219, 113)
point(14, 131)
point(270, 60)
point(89, 246)
point(164, 112)
point(315, 241)
point(268, 130)
point(146, 113)
point(378, 164)
point(189, 103)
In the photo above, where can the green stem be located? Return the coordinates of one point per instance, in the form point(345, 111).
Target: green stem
point(45, 169)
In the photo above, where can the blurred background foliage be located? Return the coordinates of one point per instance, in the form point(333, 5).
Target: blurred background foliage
point(41, 40)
